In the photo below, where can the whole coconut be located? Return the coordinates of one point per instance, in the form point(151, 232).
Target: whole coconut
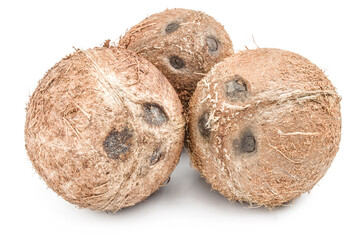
point(183, 44)
point(265, 126)
point(104, 128)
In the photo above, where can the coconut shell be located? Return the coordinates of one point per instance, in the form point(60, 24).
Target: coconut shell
point(183, 44)
point(265, 126)
point(104, 128)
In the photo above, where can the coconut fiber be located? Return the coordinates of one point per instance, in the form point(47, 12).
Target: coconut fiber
point(265, 126)
point(104, 128)
point(183, 44)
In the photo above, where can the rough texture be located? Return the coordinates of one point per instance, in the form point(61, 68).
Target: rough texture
point(183, 44)
point(104, 128)
point(272, 134)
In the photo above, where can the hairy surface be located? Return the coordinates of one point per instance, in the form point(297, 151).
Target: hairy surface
point(272, 136)
point(183, 44)
point(104, 128)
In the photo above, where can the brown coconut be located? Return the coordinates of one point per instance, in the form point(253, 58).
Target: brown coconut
point(183, 44)
point(104, 128)
point(265, 126)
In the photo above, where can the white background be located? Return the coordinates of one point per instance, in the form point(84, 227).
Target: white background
point(37, 34)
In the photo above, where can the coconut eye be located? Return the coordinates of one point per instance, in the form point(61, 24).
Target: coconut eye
point(117, 143)
point(248, 143)
point(176, 62)
point(236, 89)
point(170, 28)
point(202, 124)
point(156, 156)
point(154, 114)
point(245, 144)
point(212, 43)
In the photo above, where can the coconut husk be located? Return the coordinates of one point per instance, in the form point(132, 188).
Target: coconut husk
point(265, 126)
point(183, 44)
point(104, 128)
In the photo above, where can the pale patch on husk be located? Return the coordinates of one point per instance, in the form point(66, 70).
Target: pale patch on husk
point(86, 133)
point(291, 109)
point(192, 36)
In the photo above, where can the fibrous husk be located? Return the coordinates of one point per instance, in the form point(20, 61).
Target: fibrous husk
point(265, 126)
point(104, 128)
point(183, 44)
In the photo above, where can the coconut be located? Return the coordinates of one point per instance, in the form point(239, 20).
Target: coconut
point(183, 44)
point(265, 126)
point(104, 128)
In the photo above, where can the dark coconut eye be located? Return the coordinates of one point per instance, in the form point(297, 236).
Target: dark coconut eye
point(154, 114)
point(117, 143)
point(212, 43)
point(236, 89)
point(176, 62)
point(170, 28)
point(203, 128)
point(246, 143)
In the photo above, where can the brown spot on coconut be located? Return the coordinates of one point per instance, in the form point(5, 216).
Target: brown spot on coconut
point(104, 128)
point(183, 44)
point(264, 126)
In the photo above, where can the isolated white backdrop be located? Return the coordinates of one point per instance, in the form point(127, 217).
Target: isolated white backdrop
point(37, 34)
